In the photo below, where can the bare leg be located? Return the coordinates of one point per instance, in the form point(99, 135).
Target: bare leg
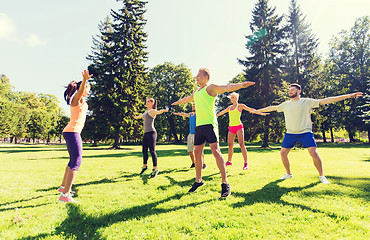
point(240, 134)
point(230, 141)
point(219, 160)
point(192, 157)
point(65, 176)
point(284, 158)
point(69, 180)
point(316, 159)
point(198, 152)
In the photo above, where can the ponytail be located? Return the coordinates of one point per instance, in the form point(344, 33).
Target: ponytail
point(154, 104)
point(71, 89)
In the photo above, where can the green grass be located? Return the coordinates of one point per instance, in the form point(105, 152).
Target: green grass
point(116, 203)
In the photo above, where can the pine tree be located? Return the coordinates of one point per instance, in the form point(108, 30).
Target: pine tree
point(302, 58)
point(266, 46)
point(119, 71)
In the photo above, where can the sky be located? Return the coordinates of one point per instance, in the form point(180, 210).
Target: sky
point(44, 44)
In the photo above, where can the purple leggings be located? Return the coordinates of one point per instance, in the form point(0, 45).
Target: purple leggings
point(74, 146)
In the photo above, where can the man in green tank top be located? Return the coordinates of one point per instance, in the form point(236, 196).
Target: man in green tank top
point(206, 125)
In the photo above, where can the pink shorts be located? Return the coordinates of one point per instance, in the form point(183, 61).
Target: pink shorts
point(235, 129)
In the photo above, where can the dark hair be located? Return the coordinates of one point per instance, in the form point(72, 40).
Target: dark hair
point(71, 89)
point(154, 102)
point(296, 85)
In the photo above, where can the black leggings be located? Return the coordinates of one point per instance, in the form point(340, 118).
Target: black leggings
point(149, 142)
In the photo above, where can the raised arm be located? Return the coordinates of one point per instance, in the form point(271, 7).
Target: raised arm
point(329, 100)
point(182, 114)
point(85, 76)
point(223, 111)
point(267, 109)
point(214, 89)
point(185, 100)
point(252, 110)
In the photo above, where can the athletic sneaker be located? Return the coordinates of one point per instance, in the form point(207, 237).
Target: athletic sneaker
point(60, 190)
point(204, 166)
point(287, 176)
point(324, 180)
point(228, 163)
point(154, 173)
point(143, 170)
point(226, 190)
point(246, 166)
point(66, 199)
point(192, 165)
point(196, 185)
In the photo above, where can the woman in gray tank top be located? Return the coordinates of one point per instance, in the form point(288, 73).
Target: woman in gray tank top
point(150, 135)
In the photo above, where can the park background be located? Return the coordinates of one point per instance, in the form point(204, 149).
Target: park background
point(321, 44)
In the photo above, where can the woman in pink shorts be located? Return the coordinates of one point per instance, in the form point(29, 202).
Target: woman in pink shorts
point(236, 127)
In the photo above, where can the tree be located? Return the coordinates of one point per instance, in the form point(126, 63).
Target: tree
point(119, 71)
point(302, 60)
point(167, 84)
point(266, 60)
point(350, 54)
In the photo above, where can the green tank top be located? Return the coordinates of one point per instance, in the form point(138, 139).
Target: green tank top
point(234, 117)
point(205, 108)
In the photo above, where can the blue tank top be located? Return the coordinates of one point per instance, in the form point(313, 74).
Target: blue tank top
point(192, 123)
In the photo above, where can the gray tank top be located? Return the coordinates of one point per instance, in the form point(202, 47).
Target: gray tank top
point(148, 122)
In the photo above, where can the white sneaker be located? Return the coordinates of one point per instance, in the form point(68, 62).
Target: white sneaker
point(323, 180)
point(287, 176)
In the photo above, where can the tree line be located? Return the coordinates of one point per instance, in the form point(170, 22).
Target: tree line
point(280, 50)
point(29, 116)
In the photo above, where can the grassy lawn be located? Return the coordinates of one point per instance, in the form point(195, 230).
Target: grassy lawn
point(116, 203)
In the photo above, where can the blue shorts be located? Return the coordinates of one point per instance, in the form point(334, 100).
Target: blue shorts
point(306, 139)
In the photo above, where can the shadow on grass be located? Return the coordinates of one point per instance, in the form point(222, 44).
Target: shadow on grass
point(124, 176)
point(79, 225)
point(21, 203)
point(185, 183)
point(272, 193)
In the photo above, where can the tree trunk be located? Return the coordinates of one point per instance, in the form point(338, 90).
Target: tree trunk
point(368, 135)
point(323, 136)
point(116, 139)
point(266, 132)
point(173, 128)
point(351, 137)
point(48, 140)
point(332, 134)
point(95, 143)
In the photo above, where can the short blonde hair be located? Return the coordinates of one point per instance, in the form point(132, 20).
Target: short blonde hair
point(205, 72)
point(234, 94)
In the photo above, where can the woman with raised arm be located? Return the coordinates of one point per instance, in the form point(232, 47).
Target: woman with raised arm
point(236, 127)
point(74, 96)
point(150, 135)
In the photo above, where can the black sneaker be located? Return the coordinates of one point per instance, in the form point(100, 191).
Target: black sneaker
point(204, 166)
point(195, 186)
point(192, 165)
point(143, 170)
point(154, 173)
point(226, 190)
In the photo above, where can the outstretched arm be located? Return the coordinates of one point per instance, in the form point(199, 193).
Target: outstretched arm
point(267, 109)
point(252, 110)
point(155, 112)
point(185, 100)
point(139, 116)
point(182, 114)
point(329, 100)
point(223, 111)
point(214, 89)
